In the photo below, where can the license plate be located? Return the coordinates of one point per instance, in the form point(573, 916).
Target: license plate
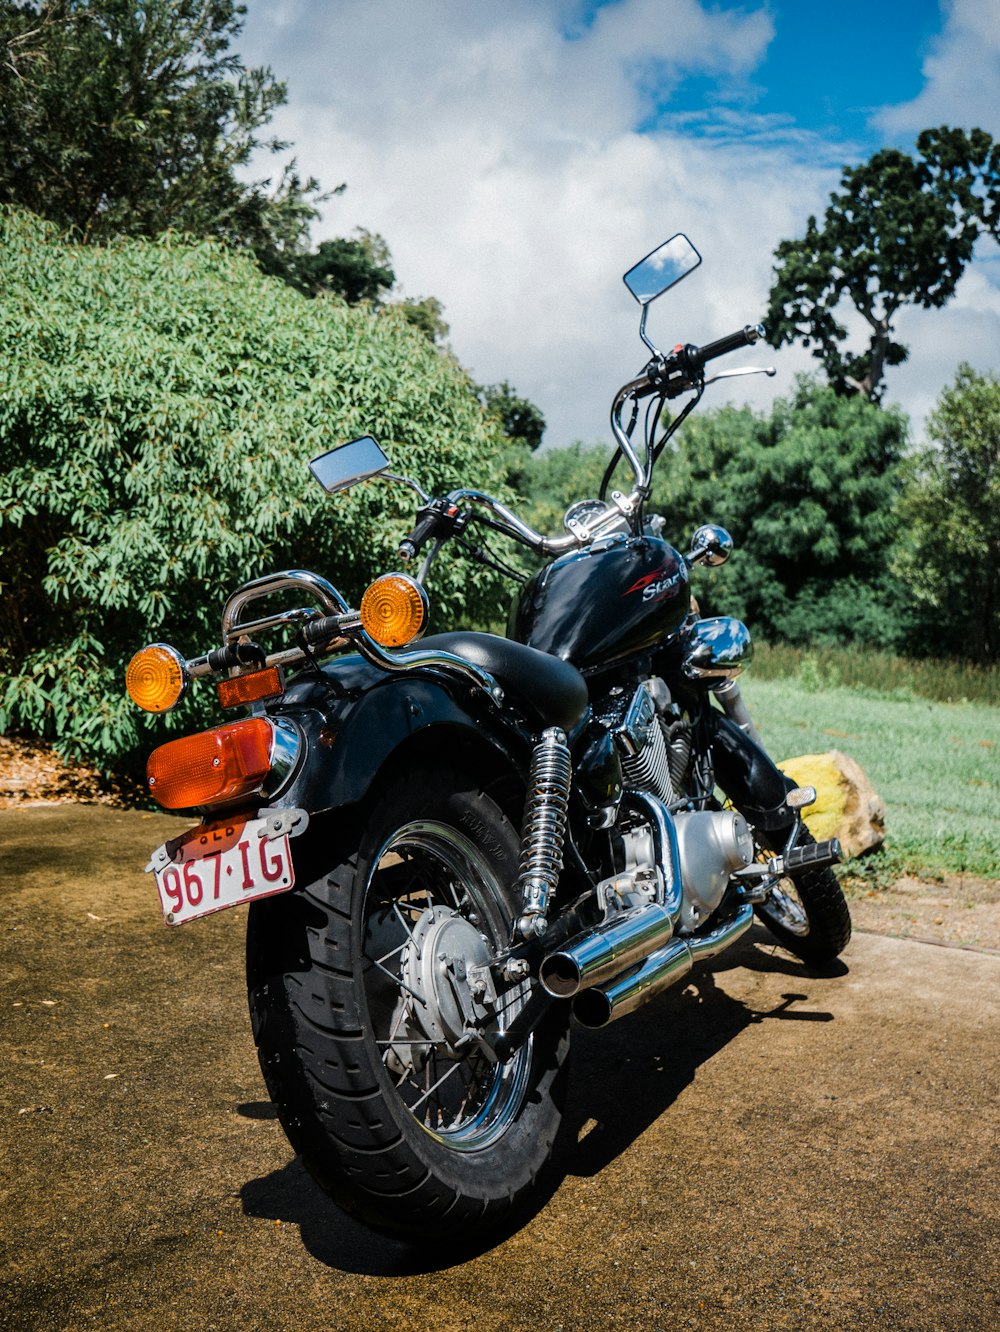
point(220, 865)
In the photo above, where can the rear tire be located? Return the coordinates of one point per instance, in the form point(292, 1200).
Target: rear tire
point(361, 1002)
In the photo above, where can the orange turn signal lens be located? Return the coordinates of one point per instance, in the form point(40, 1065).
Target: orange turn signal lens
point(394, 610)
point(154, 678)
point(211, 767)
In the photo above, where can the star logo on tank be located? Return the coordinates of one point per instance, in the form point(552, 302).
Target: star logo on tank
point(654, 585)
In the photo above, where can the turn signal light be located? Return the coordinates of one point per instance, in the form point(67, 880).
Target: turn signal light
point(394, 610)
point(212, 767)
point(154, 678)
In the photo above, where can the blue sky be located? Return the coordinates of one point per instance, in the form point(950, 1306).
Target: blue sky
point(830, 66)
point(519, 157)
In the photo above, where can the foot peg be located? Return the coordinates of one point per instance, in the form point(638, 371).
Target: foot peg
point(814, 856)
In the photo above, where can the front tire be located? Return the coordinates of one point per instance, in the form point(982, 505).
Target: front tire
point(364, 994)
point(809, 914)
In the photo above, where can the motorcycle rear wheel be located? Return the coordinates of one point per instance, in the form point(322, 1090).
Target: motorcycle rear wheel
point(363, 988)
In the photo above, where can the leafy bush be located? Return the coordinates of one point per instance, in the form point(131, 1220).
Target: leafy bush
point(808, 493)
point(159, 402)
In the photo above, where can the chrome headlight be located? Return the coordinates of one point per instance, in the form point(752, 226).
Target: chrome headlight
point(717, 649)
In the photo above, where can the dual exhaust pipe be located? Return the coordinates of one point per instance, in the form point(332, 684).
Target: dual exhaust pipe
point(621, 965)
point(615, 968)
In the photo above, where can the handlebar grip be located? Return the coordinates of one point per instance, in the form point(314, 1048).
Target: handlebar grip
point(743, 337)
point(425, 527)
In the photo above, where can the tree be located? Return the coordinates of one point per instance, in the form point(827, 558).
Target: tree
point(966, 164)
point(899, 233)
point(425, 313)
point(358, 269)
point(119, 118)
point(808, 494)
point(518, 418)
point(156, 417)
point(951, 518)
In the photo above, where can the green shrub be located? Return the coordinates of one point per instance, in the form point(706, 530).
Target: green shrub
point(159, 402)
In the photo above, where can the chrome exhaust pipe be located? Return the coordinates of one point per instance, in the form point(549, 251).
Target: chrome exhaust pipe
point(605, 952)
point(596, 1007)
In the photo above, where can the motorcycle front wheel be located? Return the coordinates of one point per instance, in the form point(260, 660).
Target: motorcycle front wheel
point(374, 1011)
point(809, 914)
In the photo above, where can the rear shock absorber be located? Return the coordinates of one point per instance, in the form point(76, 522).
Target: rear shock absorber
point(543, 830)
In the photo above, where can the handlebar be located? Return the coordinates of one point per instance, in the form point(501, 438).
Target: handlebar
point(668, 376)
point(743, 337)
point(427, 523)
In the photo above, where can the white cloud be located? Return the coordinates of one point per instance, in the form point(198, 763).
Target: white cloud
point(966, 329)
point(497, 149)
point(961, 72)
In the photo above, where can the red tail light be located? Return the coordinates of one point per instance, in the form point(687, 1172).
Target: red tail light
point(211, 767)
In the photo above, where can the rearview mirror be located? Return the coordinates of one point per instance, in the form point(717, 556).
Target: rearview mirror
point(348, 464)
point(661, 269)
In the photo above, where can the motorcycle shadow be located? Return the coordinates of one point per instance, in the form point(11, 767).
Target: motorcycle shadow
point(623, 1079)
point(627, 1075)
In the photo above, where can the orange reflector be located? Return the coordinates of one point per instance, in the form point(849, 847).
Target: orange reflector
point(393, 610)
point(246, 688)
point(212, 766)
point(154, 677)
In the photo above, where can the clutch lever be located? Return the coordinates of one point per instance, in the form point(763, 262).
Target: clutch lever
point(768, 370)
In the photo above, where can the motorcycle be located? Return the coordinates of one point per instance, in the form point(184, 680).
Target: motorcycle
point(451, 844)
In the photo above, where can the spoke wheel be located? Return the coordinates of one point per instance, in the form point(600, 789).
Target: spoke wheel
point(809, 914)
point(784, 908)
point(374, 1008)
point(434, 915)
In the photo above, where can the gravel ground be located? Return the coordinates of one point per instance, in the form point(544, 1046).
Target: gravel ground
point(761, 1149)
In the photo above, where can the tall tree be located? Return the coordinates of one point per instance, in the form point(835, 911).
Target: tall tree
point(900, 232)
point(136, 116)
point(966, 163)
point(359, 269)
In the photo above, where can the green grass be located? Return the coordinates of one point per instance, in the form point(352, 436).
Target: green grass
point(882, 672)
point(936, 765)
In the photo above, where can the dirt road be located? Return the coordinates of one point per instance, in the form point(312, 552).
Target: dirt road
point(762, 1149)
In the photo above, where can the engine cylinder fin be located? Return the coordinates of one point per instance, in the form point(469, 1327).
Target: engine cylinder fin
point(649, 769)
point(678, 744)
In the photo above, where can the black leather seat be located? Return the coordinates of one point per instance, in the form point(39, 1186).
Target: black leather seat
point(553, 689)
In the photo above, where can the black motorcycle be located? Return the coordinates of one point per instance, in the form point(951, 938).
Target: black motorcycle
point(451, 845)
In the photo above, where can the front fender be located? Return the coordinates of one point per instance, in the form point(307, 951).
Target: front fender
point(358, 716)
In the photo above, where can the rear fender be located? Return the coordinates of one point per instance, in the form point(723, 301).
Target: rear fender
point(362, 717)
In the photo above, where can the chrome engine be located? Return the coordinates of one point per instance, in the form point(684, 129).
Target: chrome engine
point(711, 845)
point(675, 871)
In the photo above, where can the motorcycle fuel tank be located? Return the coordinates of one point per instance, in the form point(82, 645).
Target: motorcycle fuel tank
point(605, 602)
